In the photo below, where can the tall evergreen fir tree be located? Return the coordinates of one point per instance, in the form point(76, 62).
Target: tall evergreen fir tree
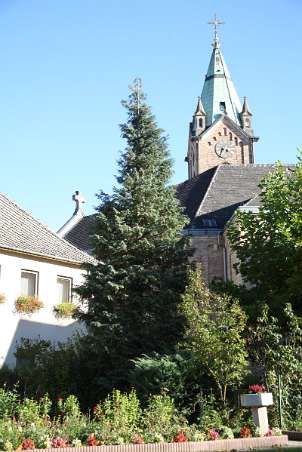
point(133, 292)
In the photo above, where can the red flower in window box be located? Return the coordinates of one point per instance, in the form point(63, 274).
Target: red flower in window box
point(27, 305)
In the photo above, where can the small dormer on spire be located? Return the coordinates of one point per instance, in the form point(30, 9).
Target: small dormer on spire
point(246, 118)
point(199, 119)
point(199, 107)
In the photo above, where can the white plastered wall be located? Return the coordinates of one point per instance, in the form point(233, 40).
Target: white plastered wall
point(14, 326)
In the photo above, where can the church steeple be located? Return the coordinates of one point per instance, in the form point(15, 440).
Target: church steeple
point(219, 95)
point(221, 129)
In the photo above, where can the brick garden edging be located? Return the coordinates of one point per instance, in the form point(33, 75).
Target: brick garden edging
point(200, 446)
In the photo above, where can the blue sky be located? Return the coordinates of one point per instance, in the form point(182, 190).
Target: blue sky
point(66, 65)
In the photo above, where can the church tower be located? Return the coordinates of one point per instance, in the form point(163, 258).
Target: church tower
point(221, 129)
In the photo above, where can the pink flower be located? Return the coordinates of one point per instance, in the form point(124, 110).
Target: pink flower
point(138, 440)
point(213, 435)
point(58, 442)
point(28, 444)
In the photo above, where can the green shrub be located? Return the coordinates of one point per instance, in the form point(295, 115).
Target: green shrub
point(118, 417)
point(225, 432)
point(161, 418)
point(9, 401)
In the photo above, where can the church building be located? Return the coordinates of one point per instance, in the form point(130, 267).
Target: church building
point(222, 174)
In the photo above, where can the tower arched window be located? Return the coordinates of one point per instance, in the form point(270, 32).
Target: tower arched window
point(242, 153)
point(231, 136)
point(200, 123)
point(222, 107)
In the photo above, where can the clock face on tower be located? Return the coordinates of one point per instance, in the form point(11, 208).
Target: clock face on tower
point(225, 149)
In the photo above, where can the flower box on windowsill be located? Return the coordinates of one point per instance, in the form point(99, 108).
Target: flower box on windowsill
point(256, 400)
point(28, 305)
point(64, 310)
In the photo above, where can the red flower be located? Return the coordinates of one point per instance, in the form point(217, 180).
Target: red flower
point(28, 444)
point(92, 441)
point(138, 440)
point(269, 432)
point(255, 389)
point(94, 408)
point(213, 435)
point(180, 438)
point(59, 442)
point(245, 432)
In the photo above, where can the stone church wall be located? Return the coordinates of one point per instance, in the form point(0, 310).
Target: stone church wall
point(210, 253)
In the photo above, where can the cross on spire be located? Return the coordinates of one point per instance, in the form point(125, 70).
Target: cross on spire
point(138, 85)
point(215, 22)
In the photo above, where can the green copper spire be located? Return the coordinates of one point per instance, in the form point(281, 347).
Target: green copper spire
point(219, 95)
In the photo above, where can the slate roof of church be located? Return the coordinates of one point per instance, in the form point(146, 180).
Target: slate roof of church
point(21, 232)
point(79, 234)
point(228, 188)
point(209, 199)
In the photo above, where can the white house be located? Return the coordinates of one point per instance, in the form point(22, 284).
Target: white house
point(37, 264)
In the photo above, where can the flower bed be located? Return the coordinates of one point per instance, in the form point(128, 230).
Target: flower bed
point(117, 422)
point(204, 446)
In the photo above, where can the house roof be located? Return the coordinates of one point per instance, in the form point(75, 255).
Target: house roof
point(21, 232)
point(209, 199)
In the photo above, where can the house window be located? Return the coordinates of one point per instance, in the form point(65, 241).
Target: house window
point(64, 289)
point(29, 283)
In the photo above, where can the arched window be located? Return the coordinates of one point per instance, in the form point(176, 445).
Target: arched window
point(200, 123)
